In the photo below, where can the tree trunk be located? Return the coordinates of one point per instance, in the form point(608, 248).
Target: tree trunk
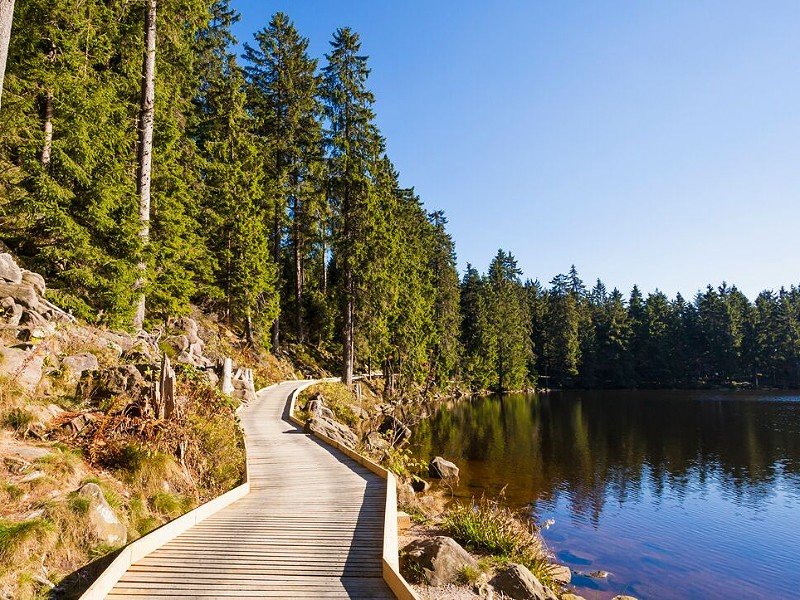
point(145, 155)
point(349, 325)
point(6, 18)
point(47, 127)
point(298, 271)
point(276, 256)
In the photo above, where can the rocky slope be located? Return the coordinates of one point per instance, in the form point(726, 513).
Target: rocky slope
point(104, 435)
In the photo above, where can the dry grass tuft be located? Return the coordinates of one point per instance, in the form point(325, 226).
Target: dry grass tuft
point(487, 527)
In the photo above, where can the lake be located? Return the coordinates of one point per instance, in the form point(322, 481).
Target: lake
point(678, 494)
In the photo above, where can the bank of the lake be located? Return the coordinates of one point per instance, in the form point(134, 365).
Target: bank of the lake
point(685, 494)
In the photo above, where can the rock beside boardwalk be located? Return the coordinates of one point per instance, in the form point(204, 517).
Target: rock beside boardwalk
point(333, 429)
point(440, 468)
point(103, 523)
point(519, 583)
point(438, 560)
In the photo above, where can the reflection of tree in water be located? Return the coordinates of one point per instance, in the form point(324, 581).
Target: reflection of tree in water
point(605, 446)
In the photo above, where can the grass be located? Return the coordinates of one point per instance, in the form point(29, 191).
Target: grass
point(171, 505)
point(18, 419)
point(18, 539)
point(487, 527)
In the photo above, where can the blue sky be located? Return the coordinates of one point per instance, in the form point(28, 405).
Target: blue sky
point(649, 143)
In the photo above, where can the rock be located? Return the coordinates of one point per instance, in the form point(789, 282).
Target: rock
point(571, 597)
point(22, 366)
point(22, 293)
point(396, 428)
point(561, 573)
point(9, 271)
point(419, 485)
point(597, 574)
point(519, 583)
point(35, 280)
point(247, 396)
point(440, 468)
point(141, 351)
point(77, 423)
point(108, 383)
point(104, 524)
point(485, 591)
point(439, 559)
point(376, 442)
point(78, 363)
point(316, 408)
point(623, 598)
point(360, 413)
point(336, 431)
point(32, 476)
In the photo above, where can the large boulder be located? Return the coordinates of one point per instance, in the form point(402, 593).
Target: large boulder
point(9, 271)
point(22, 293)
point(440, 468)
point(24, 367)
point(108, 383)
point(438, 560)
point(79, 363)
point(333, 429)
point(561, 573)
point(519, 583)
point(34, 280)
point(103, 523)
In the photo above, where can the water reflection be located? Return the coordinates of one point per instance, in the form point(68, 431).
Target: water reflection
point(669, 480)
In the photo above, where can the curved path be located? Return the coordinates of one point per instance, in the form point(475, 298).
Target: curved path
point(311, 526)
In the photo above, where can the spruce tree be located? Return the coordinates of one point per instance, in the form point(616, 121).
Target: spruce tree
point(285, 102)
point(353, 145)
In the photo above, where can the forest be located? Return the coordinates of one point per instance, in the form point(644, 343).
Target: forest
point(146, 167)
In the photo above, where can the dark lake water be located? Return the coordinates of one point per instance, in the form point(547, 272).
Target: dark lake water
point(677, 494)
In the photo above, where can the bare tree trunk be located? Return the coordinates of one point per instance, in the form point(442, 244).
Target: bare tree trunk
point(145, 158)
point(47, 127)
point(6, 18)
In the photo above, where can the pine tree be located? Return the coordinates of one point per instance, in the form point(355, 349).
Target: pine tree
point(353, 146)
point(508, 332)
point(239, 228)
point(285, 102)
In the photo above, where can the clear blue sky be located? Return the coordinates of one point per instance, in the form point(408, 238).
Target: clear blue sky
point(650, 143)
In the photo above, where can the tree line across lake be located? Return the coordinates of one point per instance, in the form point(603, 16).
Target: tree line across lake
point(144, 167)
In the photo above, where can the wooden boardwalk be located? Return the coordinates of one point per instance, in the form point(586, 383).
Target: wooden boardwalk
point(311, 527)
